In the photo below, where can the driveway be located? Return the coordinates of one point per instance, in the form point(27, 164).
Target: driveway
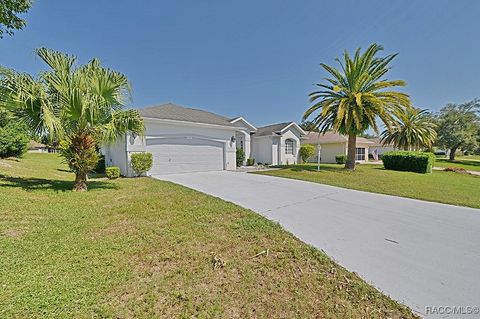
point(420, 253)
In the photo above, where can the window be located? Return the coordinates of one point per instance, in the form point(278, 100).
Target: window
point(359, 154)
point(289, 147)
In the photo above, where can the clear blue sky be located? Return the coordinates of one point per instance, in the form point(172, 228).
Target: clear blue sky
point(258, 59)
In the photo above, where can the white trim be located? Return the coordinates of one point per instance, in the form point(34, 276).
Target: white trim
point(244, 121)
point(181, 136)
point(302, 132)
point(223, 127)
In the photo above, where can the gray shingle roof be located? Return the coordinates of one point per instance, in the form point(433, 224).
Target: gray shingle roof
point(270, 129)
point(172, 111)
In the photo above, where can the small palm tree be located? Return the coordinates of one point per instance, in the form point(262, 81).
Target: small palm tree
point(414, 130)
point(355, 96)
point(82, 106)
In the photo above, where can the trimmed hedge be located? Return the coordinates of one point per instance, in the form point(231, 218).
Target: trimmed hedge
point(112, 172)
point(341, 158)
point(250, 161)
point(419, 162)
point(240, 157)
point(141, 162)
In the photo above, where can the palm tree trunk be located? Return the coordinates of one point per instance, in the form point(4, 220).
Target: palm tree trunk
point(352, 145)
point(453, 150)
point(80, 182)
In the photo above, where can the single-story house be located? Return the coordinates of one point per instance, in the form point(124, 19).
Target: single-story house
point(378, 148)
point(36, 147)
point(333, 144)
point(185, 140)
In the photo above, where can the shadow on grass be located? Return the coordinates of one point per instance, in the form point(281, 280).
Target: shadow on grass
point(32, 184)
point(461, 161)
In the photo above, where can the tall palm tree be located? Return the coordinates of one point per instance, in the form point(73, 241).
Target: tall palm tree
point(414, 130)
point(355, 96)
point(80, 105)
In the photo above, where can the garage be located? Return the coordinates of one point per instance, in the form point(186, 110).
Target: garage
point(185, 154)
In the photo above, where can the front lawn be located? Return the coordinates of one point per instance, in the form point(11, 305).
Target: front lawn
point(144, 248)
point(443, 187)
point(470, 163)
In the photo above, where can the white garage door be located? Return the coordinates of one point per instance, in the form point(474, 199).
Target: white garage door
point(181, 155)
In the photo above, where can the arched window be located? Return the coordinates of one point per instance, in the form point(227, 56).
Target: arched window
point(289, 147)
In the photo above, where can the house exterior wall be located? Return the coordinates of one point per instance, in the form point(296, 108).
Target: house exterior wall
point(116, 155)
point(328, 152)
point(284, 158)
point(262, 149)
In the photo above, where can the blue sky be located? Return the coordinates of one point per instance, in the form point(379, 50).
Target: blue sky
point(258, 59)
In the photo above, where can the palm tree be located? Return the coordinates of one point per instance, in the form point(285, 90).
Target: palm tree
point(80, 105)
point(355, 96)
point(414, 130)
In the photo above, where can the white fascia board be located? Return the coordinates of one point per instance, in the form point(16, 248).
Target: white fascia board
point(235, 120)
point(185, 123)
point(302, 132)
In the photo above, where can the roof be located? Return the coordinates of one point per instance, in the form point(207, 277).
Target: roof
point(276, 129)
point(176, 112)
point(330, 137)
point(377, 142)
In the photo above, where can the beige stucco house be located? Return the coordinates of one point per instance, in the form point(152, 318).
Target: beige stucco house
point(332, 144)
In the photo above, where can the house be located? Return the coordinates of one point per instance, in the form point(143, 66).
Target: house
point(378, 148)
point(333, 144)
point(36, 147)
point(277, 144)
point(184, 140)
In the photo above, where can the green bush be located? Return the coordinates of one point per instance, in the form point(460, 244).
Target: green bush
point(418, 162)
point(141, 162)
point(250, 161)
point(13, 139)
point(341, 158)
point(306, 151)
point(112, 172)
point(240, 157)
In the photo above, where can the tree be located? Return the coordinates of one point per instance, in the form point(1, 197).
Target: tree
point(414, 130)
point(80, 105)
point(355, 96)
point(309, 126)
point(9, 20)
point(458, 126)
point(306, 151)
point(14, 137)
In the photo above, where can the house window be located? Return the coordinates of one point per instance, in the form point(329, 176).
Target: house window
point(289, 147)
point(359, 154)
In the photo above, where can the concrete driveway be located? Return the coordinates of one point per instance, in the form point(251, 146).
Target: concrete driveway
point(420, 253)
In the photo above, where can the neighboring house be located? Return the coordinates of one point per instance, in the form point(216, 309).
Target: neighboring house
point(186, 140)
point(333, 144)
point(277, 144)
point(35, 147)
point(378, 148)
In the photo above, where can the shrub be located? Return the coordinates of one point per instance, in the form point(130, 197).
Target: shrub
point(100, 168)
point(408, 161)
point(112, 172)
point(306, 151)
point(141, 162)
point(341, 158)
point(13, 140)
point(240, 157)
point(250, 161)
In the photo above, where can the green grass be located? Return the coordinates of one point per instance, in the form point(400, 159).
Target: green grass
point(470, 163)
point(144, 248)
point(443, 187)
